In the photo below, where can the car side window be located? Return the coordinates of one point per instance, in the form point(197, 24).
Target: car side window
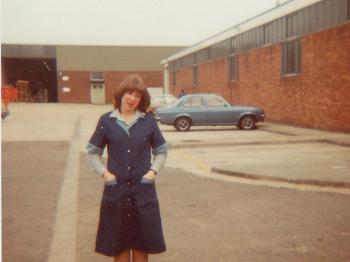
point(169, 100)
point(215, 102)
point(194, 102)
point(156, 100)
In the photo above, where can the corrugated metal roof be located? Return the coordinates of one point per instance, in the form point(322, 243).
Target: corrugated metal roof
point(280, 10)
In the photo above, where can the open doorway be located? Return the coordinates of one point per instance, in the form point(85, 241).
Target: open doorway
point(35, 78)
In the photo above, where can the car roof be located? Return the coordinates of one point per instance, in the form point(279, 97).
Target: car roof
point(163, 95)
point(202, 94)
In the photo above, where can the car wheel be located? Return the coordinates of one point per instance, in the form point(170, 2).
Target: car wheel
point(182, 124)
point(247, 123)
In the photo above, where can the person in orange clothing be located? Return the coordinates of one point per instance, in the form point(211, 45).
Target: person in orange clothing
point(8, 94)
point(14, 93)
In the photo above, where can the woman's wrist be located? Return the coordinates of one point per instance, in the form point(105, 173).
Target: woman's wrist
point(107, 176)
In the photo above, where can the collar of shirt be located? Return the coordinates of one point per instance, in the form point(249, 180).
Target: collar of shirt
point(121, 121)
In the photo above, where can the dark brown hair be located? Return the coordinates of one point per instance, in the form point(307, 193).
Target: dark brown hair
point(132, 83)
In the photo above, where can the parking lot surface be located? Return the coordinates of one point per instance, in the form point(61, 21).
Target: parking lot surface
point(50, 196)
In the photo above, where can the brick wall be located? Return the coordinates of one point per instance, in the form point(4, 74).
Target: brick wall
point(319, 97)
point(79, 84)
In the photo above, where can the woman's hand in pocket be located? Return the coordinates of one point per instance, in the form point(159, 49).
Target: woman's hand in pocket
point(108, 176)
point(150, 175)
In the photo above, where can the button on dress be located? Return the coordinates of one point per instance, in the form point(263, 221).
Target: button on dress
point(129, 213)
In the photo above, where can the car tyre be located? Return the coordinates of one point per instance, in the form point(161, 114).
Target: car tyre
point(183, 124)
point(247, 123)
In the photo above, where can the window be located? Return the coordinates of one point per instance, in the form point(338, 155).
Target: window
point(96, 76)
point(291, 57)
point(233, 68)
point(194, 102)
point(215, 102)
point(195, 75)
point(174, 78)
point(97, 86)
point(170, 100)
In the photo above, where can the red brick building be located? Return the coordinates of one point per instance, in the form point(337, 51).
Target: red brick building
point(79, 74)
point(293, 61)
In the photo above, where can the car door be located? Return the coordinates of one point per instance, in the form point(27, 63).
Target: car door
point(219, 111)
point(194, 106)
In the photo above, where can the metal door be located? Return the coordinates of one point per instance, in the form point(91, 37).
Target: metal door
point(97, 91)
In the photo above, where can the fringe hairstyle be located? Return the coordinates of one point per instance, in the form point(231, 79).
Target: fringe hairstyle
point(132, 83)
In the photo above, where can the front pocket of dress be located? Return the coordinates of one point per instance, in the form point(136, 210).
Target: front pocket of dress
point(110, 195)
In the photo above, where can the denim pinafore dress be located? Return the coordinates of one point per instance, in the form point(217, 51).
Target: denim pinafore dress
point(129, 213)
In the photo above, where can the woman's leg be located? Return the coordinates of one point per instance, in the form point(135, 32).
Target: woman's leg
point(123, 257)
point(139, 256)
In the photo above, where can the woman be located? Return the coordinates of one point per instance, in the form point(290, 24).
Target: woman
point(130, 223)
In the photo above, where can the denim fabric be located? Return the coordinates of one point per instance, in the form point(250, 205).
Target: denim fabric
point(129, 153)
point(129, 214)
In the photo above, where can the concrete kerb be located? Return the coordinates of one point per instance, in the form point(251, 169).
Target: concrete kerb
point(294, 140)
point(280, 179)
point(225, 143)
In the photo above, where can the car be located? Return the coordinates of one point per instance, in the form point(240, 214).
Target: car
point(207, 110)
point(158, 101)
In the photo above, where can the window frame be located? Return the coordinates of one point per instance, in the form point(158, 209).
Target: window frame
point(93, 79)
point(291, 57)
point(191, 99)
point(195, 75)
point(223, 103)
point(233, 74)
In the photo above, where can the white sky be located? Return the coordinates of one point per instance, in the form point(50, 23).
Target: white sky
point(117, 22)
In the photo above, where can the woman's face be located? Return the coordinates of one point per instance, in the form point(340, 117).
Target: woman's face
point(130, 101)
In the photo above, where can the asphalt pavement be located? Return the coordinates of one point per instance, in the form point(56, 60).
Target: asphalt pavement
point(47, 186)
point(273, 152)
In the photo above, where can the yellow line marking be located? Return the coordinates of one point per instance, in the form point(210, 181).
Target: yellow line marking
point(200, 164)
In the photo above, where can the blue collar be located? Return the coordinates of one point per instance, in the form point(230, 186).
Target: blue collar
point(116, 114)
point(122, 123)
